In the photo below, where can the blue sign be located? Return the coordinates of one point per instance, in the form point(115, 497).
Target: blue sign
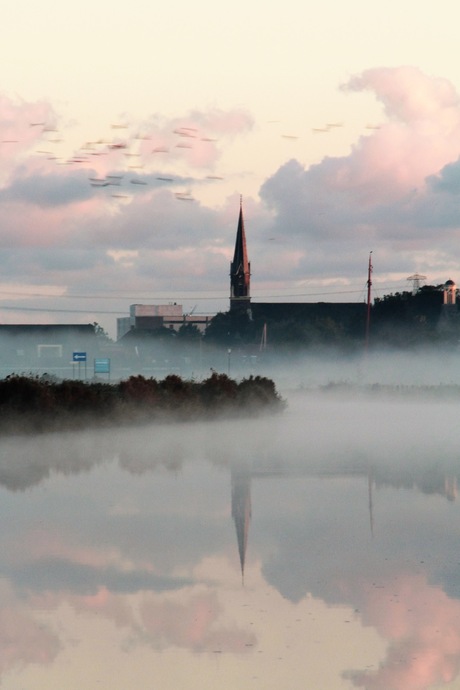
point(102, 366)
point(79, 357)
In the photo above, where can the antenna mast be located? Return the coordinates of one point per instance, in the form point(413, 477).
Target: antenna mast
point(263, 340)
point(369, 286)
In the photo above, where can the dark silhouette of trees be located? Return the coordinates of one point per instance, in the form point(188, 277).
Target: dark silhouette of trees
point(188, 332)
point(37, 404)
point(405, 319)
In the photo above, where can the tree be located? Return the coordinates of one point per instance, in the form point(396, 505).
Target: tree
point(405, 319)
point(230, 329)
point(189, 332)
point(101, 334)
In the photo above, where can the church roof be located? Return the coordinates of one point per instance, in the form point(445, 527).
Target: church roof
point(308, 310)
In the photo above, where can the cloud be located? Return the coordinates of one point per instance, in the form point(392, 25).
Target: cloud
point(23, 638)
point(48, 190)
point(395, 193)
point(420, 136)
point(193, 624)
point(196, 137)
point(389, 193)
point(422, 624)
point(421, 133)
point(57, 574)
point(22, 126)
point(409, 95)
point(106, 200)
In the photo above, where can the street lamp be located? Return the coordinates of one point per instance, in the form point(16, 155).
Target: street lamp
point(229, 353)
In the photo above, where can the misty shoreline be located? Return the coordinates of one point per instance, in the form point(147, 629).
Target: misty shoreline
point(32, 405)
point(433, 391)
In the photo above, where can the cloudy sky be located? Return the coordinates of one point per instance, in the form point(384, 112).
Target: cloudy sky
point(129, 131)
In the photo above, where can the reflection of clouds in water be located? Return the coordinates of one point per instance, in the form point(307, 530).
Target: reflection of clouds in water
point(24, 640)
point(386, 578)
point(193, 624)
point(193, 618)
point(57, 574)
point(24, 637)
point(422, 625)
point(125, 522)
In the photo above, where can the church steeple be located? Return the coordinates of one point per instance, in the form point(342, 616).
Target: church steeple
point(240, 270)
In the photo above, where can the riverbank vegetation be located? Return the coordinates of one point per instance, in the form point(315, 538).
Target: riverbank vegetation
point(40, 404)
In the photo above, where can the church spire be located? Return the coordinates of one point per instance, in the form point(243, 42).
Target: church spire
point(240, 269)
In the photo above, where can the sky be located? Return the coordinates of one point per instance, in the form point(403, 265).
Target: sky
point(128, 134)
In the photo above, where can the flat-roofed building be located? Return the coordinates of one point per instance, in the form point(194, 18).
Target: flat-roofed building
point(151, 317)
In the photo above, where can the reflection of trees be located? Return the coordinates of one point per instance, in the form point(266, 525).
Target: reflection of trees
point(27, 461)
point(431, 480)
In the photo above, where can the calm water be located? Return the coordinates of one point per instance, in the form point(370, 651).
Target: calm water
point(319, 549)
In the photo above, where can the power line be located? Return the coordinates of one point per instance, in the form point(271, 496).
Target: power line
point(61, 311)
point(190, 296)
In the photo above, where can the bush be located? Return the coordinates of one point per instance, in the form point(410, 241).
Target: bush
point(29, 404)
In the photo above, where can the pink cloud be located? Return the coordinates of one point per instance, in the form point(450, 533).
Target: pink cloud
point(22, 126)
point(422, 625)
point(421, 135)
point(193, 625)
point(409, 95)
point(193, 138)
point(48, 204)
point(43, 227)
point(383, 188)
point(24, 641)
point(112, 606)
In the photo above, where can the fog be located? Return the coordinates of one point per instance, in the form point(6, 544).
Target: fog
point(48, 351)
point(317, 547)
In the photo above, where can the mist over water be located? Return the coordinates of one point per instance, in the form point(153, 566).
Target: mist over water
point(424, 367)
point(313, 548)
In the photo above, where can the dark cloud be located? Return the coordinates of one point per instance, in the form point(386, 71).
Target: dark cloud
point(50, 189)
point(447, 180)
point(162, 223)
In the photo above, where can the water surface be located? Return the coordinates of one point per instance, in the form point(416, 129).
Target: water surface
point(316, 549)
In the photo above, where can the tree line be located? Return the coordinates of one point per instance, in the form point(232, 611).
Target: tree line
point(36, 404)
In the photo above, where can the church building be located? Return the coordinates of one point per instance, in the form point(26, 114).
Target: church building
point(348, 317)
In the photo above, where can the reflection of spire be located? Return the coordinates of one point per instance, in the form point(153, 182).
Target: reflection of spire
point(241, 511)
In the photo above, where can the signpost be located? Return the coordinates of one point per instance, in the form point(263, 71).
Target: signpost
point(102, 366)
point(78, 358)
